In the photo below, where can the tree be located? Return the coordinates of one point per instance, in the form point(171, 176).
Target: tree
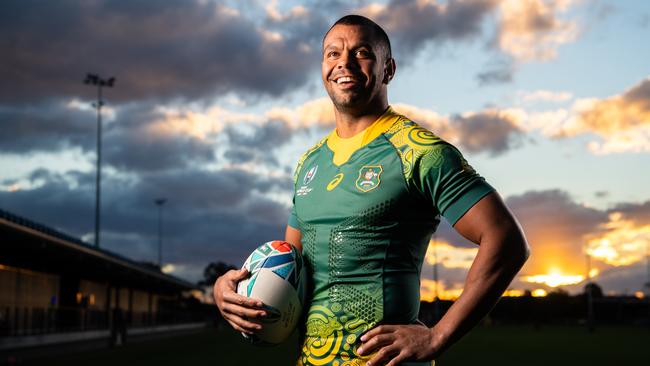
point(213, 271)
point(596, 291)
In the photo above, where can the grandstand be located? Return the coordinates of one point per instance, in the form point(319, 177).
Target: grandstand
point(55, 288)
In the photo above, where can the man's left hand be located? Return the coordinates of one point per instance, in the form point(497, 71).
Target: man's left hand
point(397, 343)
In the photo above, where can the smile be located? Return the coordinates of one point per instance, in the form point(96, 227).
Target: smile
point(345, 80)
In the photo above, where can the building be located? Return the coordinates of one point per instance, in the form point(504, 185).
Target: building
point(55, 288)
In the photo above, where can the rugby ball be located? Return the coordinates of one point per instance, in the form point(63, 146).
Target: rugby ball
point(277, 278)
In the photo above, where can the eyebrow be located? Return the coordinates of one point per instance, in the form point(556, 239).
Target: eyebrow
point(362, 45)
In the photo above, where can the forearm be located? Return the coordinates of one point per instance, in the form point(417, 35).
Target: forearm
point(498, 260)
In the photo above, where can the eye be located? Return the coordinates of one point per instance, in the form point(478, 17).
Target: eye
point(332, 54)
point(363, 53)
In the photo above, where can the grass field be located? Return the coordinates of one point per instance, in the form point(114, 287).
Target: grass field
point(502, 346)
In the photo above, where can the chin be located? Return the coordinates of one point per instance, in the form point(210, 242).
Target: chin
point(349, 102)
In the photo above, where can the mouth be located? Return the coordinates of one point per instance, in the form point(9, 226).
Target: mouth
point(346, 81)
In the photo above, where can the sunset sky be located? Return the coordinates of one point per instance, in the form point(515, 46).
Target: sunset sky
point(215, 101)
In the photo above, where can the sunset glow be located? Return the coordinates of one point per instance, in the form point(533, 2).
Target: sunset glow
point(554, 278)
point(450, 256)
point(539, 292)
point(428, 291)
point(623, 243)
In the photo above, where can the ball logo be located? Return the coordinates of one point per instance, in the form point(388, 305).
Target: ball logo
point(335, 182)
point(369, 177)
point(310, 175)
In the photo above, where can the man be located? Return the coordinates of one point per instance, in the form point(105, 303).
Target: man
point(367, 199)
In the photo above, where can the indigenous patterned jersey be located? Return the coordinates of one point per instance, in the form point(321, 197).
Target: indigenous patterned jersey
point(366, 217)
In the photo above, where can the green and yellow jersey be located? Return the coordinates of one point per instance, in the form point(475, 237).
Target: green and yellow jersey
point(366, 208)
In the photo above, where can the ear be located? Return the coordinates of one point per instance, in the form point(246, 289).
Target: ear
point(389, 70)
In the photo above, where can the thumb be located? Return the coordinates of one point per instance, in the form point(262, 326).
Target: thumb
point(241, 274)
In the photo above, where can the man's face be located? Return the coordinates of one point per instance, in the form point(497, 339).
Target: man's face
point(353, 66)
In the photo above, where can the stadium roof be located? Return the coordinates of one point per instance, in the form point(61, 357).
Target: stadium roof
point(30, 245)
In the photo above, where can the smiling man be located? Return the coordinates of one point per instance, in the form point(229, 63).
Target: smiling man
point(367, 199)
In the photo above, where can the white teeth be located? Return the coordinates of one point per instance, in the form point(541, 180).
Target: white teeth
point(343, 79)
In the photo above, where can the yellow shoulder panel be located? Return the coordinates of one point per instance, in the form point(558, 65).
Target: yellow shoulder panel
point(305, 156)
point(412, 142)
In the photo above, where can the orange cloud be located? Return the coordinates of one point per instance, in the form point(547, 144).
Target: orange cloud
point(622, 243)
point(622, 122)
point(555, 278)
point(532, 30)
point(449, 256)
point(429, 289)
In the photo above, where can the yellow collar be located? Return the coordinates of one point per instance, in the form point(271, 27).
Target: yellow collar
point(343, 148)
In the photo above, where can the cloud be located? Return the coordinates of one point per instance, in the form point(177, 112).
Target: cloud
point(209, 215)
point(429, 21)
point(143, 138)
point(559, 231)
point(490, 130)
point(621, 122)
point(156, 50)
point(545, 96)
point(623, 243)
point(532, 29)
point(555, 225)
point(48, 126)
point(498, 72)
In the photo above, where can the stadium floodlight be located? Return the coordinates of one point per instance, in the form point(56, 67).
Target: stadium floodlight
point(94, 79)
point(589, 292)
point(160, 202)
point(436, 281)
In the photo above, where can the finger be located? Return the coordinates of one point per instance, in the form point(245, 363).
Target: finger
point(377, 341)
point(397, 359)
point(377, 330)
point(246, 325)
point(243, 312)
point(239, 329)
point(384, 355)
point(237, 275)
point(235, 298)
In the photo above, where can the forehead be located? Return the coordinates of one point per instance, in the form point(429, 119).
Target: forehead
point(350, 34)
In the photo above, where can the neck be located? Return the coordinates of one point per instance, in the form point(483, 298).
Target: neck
point(351, 122)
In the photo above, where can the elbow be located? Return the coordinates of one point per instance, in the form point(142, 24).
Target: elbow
point(525, 253)
point(523, 249)
point(519, 248)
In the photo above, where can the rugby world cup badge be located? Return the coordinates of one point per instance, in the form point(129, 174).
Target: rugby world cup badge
point(369, 177)
point(311, 173)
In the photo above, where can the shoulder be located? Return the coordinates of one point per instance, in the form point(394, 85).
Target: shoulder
point(306, 155)
point(420, 148)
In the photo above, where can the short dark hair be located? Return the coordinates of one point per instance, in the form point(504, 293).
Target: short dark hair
point(360, 20)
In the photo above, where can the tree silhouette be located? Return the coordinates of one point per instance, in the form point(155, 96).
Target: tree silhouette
point(213, 271)
point(596, 291)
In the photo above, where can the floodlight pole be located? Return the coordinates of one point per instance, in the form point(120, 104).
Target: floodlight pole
point(647, 283)
point(160, 202)
point(436, 300)
point(589, 295)
point(94, 79)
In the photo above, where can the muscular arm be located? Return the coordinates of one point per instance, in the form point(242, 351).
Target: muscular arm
point(502, 252)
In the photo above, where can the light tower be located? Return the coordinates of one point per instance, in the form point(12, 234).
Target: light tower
point(160, 202)
point(436, 300)
point(94, 79)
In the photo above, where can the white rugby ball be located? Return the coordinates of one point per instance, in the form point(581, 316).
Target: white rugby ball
point(277, 278)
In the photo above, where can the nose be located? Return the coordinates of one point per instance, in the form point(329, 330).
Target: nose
point(346, 60)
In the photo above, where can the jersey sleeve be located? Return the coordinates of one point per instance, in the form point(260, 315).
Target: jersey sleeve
point(451, 184)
